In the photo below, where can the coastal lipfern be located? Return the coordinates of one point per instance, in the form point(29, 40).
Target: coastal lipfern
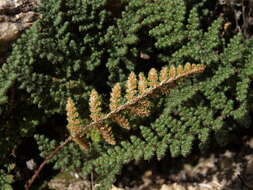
point(136, 102)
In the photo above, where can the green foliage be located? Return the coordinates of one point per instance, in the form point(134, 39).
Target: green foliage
point(58, 57)
point(6, 179)
point(145, 35)
point(62, 52)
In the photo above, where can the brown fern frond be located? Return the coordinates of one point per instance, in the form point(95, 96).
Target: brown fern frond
point(180, 70)
point(72, 118)
point(131, 87)
point(74, 124)
point(106, 133)
point(142, 84)
point(95, 106)
point(136, 104)
point(172, 72)
point(81, 142)
point(153, 78)
point(194, 66)
point(187, 67)
point(115, 97)
point(164, 74)
point(141, 109)
point(99, 119)
point(121, 121)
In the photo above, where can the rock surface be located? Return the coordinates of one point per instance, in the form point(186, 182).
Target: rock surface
point(68, 181)
point(224, 169)
point(15, 17)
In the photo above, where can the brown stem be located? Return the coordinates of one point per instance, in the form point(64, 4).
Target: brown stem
point(51, 155)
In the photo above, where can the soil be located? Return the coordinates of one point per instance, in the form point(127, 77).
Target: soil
point(229, 168)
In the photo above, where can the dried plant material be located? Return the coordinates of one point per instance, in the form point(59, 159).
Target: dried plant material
point(138, 105)
point(106, 133)
point(164, 74)
point(72, 118)
point(187, 67)
point(95, 106)
point(153, 78)
point(197, 68)
point(180, 70)
point(172, 72)
point(115, 97)
point(166, 89)
point(194, 66)
point(122, 121)
point(81, 142)
point(142, 84)
point(141, 109)
point(74, 124)
point(131, 87)
point(144, 56)
point(134, 104)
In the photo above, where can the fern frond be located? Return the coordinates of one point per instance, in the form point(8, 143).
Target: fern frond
point(142, 84)
point(153, 78)
point(172, 72)
point(81, 142)
point(121, 121)
point(138, 105)
point(131, 87)
point(187, 67)
point(180, 70)
point(74, 124)
point(141, 109)
point(115, 97)
point(164, 74)
point(106, 133)
point(72, 118)
point(95, 106)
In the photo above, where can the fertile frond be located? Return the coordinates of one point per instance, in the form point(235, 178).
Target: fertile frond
point(95, 106)
point(81, 142)
point(142, 84)
point(74, 124)
point(72, 118)
point(138, 105)
point(106, 133)
point(172, 71)
point(121, 121)
point(115, 97)
point(153, 78)
point(141, 109)
point(194, 66)
point(164, 74)
point(187, 67)
point(180, 70)
point(131, 87)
